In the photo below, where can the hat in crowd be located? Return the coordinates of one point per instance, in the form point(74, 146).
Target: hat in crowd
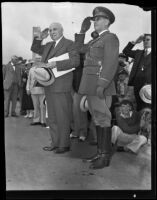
point(145, 93)
point(14, 57)
point(17, 60)
point(21, 60)
point(30, 61)
point(84, 104)
point(103, 12)
point(122, 55)
point(44, 76)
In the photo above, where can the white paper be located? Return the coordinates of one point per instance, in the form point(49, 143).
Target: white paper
point(59, 58)
point(61, 73)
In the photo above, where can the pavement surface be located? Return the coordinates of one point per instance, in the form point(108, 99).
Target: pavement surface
point(28, 167)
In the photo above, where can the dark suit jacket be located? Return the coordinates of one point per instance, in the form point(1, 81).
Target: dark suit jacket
point(104, 49)
point(137, 55)
point(8, 75)
point(63, 83)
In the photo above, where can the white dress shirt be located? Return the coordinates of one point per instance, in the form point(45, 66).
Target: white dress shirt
point(57, 41)
point(13, 66)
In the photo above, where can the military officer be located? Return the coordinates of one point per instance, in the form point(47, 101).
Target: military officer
point(97, 81)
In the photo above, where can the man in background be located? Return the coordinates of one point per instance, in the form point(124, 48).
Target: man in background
point(140, 74)
point(11, 82)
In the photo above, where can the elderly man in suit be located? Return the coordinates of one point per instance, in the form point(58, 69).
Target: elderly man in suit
point(11, 82)
point(58, 94)
point(97, 81)
point(140, 74)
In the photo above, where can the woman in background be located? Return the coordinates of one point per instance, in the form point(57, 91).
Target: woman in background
point(27, 103)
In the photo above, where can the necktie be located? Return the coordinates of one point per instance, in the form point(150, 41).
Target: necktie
point(146, 52)
point(52, 46)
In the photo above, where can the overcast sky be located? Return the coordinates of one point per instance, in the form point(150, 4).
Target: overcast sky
point(19, 18)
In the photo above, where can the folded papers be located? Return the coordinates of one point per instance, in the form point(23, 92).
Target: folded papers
point(60, 58)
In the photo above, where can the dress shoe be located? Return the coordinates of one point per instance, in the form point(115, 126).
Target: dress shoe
point(82, 138)
point(30, 115)
point(62, 150)
point(92, 158)
point(73, 136)
point(43, 124)
point(49, 148)
point(35, 123)
point(103, 161)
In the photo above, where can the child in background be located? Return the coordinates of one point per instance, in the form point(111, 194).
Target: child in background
point(126, 133)
point(122, 83)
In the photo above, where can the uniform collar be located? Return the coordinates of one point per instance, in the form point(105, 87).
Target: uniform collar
point(103, 32)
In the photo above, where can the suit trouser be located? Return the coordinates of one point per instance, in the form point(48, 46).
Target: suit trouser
point(131, 141)
point(39, 108)
point(99, 109)
point(11, 94)
point(79, 117)
point(59, 117)
point(20, 93)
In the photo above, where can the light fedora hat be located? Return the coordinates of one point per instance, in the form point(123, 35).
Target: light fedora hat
point(145, 93)
point(84, 104)
point(44, 76)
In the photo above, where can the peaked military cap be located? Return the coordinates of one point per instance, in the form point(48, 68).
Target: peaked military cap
point(103, 12)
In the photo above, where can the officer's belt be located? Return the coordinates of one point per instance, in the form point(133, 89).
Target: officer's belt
point(92, 62)
point(91, 70)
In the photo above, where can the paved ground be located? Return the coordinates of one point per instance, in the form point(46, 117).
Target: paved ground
point(28, 167)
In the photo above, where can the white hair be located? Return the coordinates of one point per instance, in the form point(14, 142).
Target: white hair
point(56, 24)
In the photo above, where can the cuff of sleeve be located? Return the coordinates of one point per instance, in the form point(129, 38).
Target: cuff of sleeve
point(132, 42)
point(103, 82)
point(37, 38)
point(80, 35)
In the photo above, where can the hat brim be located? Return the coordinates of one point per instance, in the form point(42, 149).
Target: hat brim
point(84, 104)
point(51, 79)
point(104, 16)
point(145, 98)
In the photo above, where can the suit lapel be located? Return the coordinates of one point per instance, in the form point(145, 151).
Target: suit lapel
point(47, 50)
point(59, 46)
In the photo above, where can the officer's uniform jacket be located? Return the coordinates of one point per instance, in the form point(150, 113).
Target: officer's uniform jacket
point(100, 63)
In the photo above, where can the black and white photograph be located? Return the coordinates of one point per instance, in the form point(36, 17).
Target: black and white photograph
point(77, 82)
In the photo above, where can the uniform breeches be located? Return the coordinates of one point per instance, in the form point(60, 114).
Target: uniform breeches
point(100, 110)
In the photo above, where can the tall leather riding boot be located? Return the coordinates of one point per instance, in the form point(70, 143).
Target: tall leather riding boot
point(99, 132)
point(106, 150)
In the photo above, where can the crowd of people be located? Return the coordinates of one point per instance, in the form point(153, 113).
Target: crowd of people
point(107, 98)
